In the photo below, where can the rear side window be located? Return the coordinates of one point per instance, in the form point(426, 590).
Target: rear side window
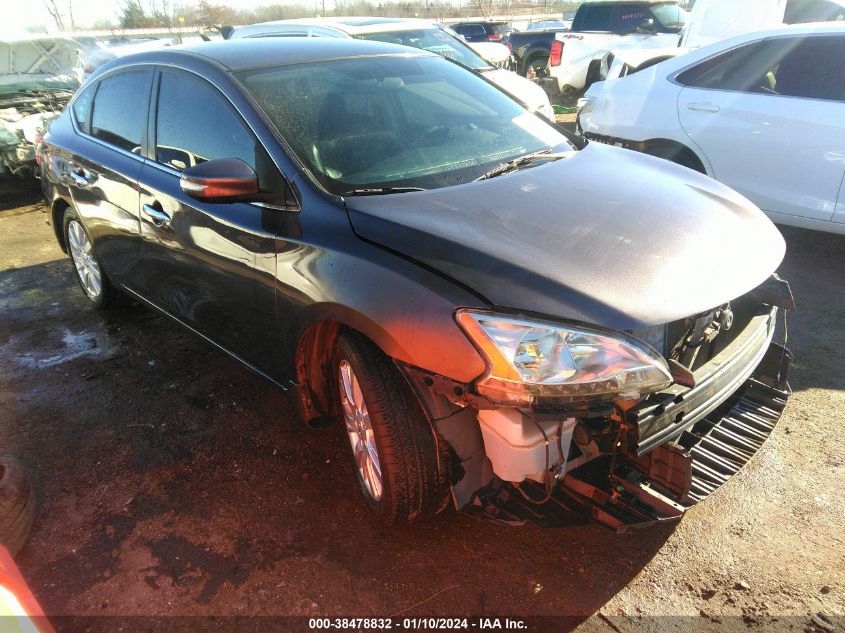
point(469, 29)
point(81, 106)
point(809, 67)
point(195, 124)
point(629, 17)
point(814, 69)
point(119, 115)
point(594, 17)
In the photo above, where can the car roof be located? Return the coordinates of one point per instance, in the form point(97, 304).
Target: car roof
point(697, 55)
point(808, 28)
point(241, 54)
point(349, 25)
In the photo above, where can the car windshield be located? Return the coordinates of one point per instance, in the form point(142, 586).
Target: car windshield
point(434, 40)
point(671, 16)
point(396, 121)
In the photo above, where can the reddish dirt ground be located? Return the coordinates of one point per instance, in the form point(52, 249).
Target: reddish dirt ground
point(171, 481)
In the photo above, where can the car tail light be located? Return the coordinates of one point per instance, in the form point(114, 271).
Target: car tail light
point(494, 37)
point(556, 53)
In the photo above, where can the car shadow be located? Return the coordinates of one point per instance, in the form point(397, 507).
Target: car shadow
point(164, 468)
point(16, 192)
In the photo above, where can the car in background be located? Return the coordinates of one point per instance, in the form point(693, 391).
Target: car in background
point(483, 31)
point(629, 61)
point(531, 49)
point(423, 34)
point(38, 76)
point(491, 311)
point(542, 25)
point(712, 21)
point(576, 56)
point(763, 113)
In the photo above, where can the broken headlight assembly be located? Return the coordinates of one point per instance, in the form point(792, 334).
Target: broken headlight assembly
point(527, 360)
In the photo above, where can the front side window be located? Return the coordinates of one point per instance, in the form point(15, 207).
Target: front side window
point(808, 67)
point(380, 122)
point(194, 124)
point(119, 113)
point(435, 41)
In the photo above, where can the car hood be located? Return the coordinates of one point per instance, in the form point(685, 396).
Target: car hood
point(527, 92)
point(605, 236)
point(491, 51)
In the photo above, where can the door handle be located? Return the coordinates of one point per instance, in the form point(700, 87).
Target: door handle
point(703, 107)
point(159, 217)
point(81, 179)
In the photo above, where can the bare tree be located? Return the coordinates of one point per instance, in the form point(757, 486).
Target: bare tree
point(55, 13)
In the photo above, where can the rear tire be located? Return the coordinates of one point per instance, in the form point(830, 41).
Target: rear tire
point(17, 505)
point(87, 267)
point(380, 411)
point(539, 64)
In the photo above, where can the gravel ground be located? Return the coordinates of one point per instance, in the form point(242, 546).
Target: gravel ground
point(173, 482)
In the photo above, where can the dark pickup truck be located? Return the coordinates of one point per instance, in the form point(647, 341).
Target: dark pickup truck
point(531, 49)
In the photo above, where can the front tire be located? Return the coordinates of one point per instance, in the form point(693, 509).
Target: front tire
point(87, 267)
point(400, 462)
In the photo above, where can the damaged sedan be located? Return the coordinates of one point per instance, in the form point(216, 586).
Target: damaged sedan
point(38, 76)
point(497, 315)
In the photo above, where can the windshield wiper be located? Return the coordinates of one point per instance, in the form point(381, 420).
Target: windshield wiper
point(516, 163)
point(379, 191)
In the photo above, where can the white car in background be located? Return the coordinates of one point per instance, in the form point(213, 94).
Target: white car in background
point(423, 34)
point(763, 113)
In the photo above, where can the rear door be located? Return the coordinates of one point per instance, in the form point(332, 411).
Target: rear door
point(770, 118)
point(103, 176)
point(200, 257)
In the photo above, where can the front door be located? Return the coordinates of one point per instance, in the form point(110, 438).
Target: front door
point(200, 257)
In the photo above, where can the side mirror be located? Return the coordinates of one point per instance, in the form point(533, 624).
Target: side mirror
point(221, 180)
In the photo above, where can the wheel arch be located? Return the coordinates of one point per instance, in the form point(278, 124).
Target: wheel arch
point(57, 213)
point(660, 147)
point(314, 351)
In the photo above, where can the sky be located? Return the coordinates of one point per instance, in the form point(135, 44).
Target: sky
point(34, 12)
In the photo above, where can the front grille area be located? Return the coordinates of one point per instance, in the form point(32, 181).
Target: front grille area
point(665, 416)
point(720, 445)
point(660, 486)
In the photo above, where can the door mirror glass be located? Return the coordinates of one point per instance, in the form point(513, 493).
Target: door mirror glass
point(221, 180)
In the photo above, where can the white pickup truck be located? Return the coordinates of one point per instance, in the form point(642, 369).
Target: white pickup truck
point(603, 25)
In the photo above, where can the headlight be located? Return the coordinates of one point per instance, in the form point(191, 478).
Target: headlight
point(528, 359)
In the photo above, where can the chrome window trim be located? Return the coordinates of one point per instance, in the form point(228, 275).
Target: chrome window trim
point(95, 85)
point(673, 77)
point(154, 66)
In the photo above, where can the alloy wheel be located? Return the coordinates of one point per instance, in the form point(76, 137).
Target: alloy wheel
point(360, 431)
point(82, 255)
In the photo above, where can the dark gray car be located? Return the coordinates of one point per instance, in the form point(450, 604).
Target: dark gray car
point(499, 316)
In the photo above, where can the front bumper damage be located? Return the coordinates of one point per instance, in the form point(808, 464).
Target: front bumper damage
point(665, 454)
point(671, 478)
